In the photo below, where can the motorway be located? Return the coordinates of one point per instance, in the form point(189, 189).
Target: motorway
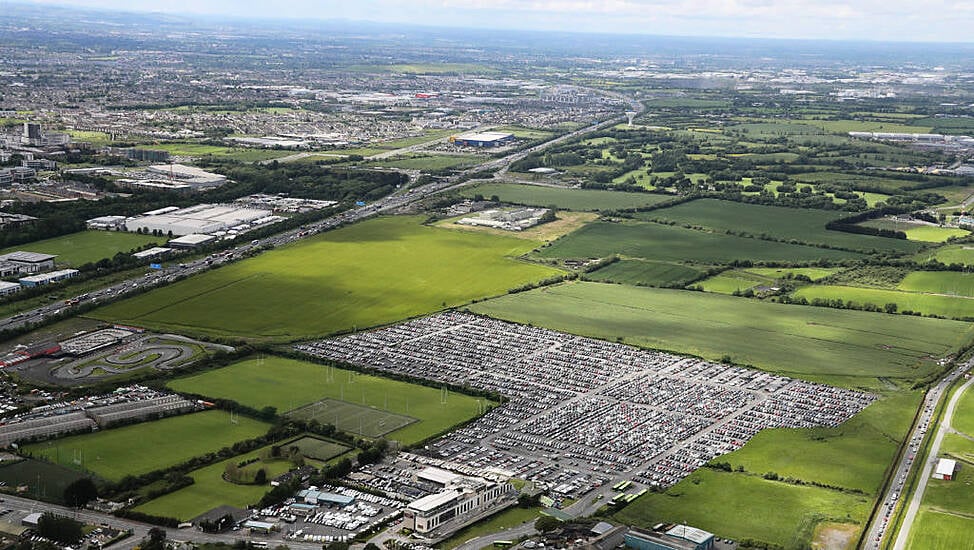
point(171, 273)
point(880, 522)
point(903, 536)
point(391, 202)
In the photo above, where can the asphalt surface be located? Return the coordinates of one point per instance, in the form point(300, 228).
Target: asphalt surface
point(169, 274)
point(877, 529)
point(903, 536)
point(391, 202)
point(24, 506)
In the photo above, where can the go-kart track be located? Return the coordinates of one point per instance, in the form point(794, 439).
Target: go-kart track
point(104, 353)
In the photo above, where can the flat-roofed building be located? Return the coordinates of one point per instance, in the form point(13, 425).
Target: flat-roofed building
point(482, 139)
point(8, 288)
point(945, 469)
point(678, 537)
point(48, 278)
point(29, 262)
point(464, 499)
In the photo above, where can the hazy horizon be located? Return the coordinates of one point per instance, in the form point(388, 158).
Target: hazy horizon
point(869, 20)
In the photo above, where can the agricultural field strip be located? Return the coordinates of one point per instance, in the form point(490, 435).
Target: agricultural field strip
point(616, 408)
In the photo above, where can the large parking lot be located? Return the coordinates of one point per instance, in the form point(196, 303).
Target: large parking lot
point(581, 411)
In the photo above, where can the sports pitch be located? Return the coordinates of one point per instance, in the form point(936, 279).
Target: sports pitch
point(349, 417)
point(141, 448)
point(374, 272)
point(287, 384)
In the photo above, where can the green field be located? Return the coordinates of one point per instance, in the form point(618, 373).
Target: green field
point(952, 254)
point(568, 199)
point(834, 343)
point(242, 154)
point(774, 221)
point(964, 415)
point(43, 480)
point(430, 162)
point(642, 272)
point(920, 232)
point(813, 273)
point(654, 241)
point(287, 384)
point(735, 280)
point(210, 490)
point(374, 272)
point(939, 282)
point(349, 417)
point(317, 448)
point(864, 446)
point(745, 506)
point(87, 246)
point(506, 519)
point(947, 306)
point(933, 530)
point(141, 448)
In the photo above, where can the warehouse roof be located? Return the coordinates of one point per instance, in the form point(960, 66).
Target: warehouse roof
point(30, 257)
point(690, 533)
point(431, 502)
point(436, 475)
point(946, 466)
point(486, 136)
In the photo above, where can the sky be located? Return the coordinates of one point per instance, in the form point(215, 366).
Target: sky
point(883, 20)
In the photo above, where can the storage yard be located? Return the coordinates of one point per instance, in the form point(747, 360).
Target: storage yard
point(584, 411)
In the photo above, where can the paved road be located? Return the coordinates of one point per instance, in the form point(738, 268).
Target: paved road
point(877, 529)
point(904, 535)
point(391, 202)
point(23, 506)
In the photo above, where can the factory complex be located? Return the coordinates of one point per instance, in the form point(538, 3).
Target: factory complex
point(482, 139)
point(194, 225)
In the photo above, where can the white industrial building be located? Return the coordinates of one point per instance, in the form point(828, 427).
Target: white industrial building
point(199, 219)
point(192, 240)
point(48, 278)
point(25, 263)
point(8, 288)
point(945, 469)
point(190, 175)
point(107, 223)
point(463, 498)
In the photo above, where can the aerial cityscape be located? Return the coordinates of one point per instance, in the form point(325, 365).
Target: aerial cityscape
point(514, 275)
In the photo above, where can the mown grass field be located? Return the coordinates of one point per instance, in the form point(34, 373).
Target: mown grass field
point(242, 154)
point(735, 280)
point(374, 272)
point(210, 490)
point(920, 232)
point(933, 530)
point(642, 272)
point(132, 450)
point(951, 254)
point(813, 273)
point(506, 519)
point(317, 448)
point(653, 241)
point(745, 506)
point(948, 306)
point(428, 162)
point(864, 445)
point(964, 415)
point(287, 384)
point(939, 282)
point(43, 479)
point(846, 347)
point(80, 248)
point(774, 221)
point(568, 199)
point(956, 495)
